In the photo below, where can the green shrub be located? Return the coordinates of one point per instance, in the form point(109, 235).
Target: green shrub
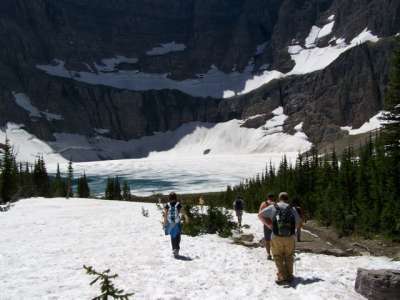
point(215, 220)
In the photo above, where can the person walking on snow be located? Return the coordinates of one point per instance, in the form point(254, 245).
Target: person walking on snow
point(238, 206)
point(283, 219)
point(267, 231)
point(172, 222)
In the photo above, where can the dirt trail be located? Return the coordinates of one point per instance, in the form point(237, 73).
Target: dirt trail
point(325, 240)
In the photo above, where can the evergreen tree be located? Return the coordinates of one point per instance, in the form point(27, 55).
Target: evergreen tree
point(109, 193)
point(390, 220)
point(83, 187)
point(41, 178)
point(126, 191)
point(391, 131)
point(107, 288)
point(70, 179)
point(8, 174)
point(117, 189)
point(58, 185)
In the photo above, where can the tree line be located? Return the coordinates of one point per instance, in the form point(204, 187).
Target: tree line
point(24, 180)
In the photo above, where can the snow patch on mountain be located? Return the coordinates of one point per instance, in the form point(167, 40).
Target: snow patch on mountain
point(372, 124)
point(214, 83)
point(192, 139)
point(317, 33)
point(315, 58)
point(27, 147)
point(24, 102)
point(299, 127)
point(111, 64)
point(166, 48)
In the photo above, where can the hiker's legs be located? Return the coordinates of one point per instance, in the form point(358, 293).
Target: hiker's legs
point(268, 247)
point(289, 256)
point(279, 256)
point(239, 217)
point(267, 238)
point(175, 242)
point(298, 234)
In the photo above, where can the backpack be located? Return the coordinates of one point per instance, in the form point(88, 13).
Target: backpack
point(284, 222)
point(173, 214)
point(238, 204)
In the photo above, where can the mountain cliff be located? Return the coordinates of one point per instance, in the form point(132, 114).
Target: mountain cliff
point(126, 69)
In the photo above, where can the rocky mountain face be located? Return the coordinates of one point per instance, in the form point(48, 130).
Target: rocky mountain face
point(89, 43)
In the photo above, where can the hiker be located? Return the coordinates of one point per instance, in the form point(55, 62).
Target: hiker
point(296, 205)
point(238, 206)
point(201, 203)
point(172, 222)
point(283, 219)
point(267, 231)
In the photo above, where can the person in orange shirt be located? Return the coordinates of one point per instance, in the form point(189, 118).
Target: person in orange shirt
point(267, 231)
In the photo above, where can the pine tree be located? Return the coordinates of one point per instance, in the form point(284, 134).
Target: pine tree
point(107, 288)
point(109, 193)
point(83, 187)
point(391, 131)
point(8, 178)
point(117, 189)
point(70, 178)
point(41, 178)
point(59, 186)
point(126, 191)
point(390, 218)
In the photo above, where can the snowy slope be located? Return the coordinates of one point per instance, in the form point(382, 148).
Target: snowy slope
point(372, 124)
point(45, 242)
point(189, 140)
point(27, 147)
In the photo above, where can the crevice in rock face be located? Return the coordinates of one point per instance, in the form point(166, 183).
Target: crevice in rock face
point(374, 75)
point(114, 112)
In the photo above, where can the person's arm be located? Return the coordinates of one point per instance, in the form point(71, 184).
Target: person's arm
point(165, 213)
point(265, 217)
point(262, 206)
point(297, 218)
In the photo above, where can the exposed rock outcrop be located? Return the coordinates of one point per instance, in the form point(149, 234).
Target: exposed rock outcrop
point(378, 284)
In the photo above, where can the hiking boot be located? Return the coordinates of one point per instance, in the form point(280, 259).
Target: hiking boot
point(290, 279)
point(175, 252)
point(280, 281)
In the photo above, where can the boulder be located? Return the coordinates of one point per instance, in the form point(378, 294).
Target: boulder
point(378, 284)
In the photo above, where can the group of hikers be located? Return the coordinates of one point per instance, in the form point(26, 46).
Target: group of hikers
point(281, 220)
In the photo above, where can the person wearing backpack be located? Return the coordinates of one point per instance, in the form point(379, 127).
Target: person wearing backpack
point(283, 219)
point(172, 222)
point(267, 231)
point(238, 206)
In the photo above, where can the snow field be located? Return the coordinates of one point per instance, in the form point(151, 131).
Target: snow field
point(45, 242)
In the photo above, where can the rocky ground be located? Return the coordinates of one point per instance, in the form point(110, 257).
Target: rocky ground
point(322, 240)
